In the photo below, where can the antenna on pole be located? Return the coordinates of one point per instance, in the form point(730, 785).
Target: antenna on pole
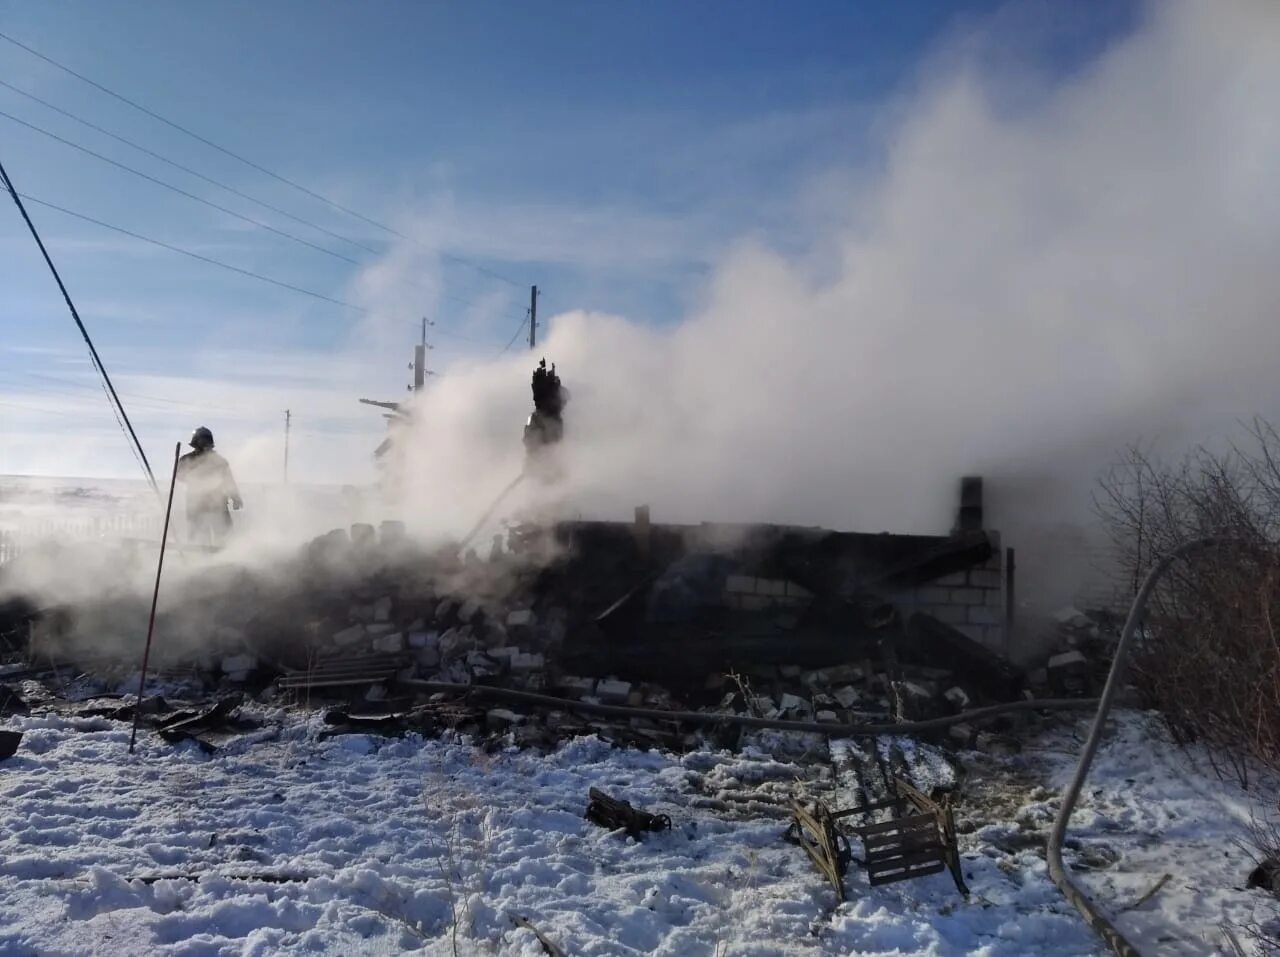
point(533, 317)
point(287, 417)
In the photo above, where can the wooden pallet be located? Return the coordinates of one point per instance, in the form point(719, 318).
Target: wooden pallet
point(919, 838)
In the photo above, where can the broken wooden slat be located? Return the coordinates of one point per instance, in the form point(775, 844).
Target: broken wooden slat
point(908, 842)
point(816, 833)
point(898, 824)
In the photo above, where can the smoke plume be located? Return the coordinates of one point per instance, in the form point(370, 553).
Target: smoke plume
point(1019, 291)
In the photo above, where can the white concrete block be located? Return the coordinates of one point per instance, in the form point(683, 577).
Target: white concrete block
point(958, 698)
point(389, 644)
point(349, 636)
point(525, 663)
point(740, 585)
point(793, 703)
point(612, 691)
point(382, 609)
point(521, 618)
point(1067, 659)
point(502, 718)
point(847, 696)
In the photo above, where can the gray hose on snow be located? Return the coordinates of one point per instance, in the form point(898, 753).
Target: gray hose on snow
point(1092, 915)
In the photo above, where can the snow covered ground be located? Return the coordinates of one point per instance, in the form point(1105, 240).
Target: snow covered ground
point(283, 843)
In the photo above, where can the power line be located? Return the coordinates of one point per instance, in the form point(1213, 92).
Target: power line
point(516, 335)
point(142, 398)
point(188, 170)
point(219, 263)
point(179, 190)
point(248, 162)
point(222, 209)
point(193, 255)
point(114, 399)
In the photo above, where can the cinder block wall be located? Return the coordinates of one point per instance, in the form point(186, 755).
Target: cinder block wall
point(972, 601)
point(756, 594)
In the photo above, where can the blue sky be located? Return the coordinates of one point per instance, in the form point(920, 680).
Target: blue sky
point(608, 152)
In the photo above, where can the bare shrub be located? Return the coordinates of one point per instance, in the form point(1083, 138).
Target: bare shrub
point(1208, 657)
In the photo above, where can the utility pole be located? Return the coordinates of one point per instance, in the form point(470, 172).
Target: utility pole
point(533, 317)
point(419, 367)
point(420, 370)
point(287, 417)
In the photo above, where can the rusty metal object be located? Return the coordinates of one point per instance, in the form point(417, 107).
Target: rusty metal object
point(614, 814)
point(816, 832)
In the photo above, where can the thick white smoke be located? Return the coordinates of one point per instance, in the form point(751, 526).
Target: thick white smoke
point(1025, 289)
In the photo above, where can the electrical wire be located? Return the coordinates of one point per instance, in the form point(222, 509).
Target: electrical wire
point(248, 162)
point(188, 170)
point(519, 329)
point(219, 263)
point(179, 190)
point(199, 199)
point(125, 424)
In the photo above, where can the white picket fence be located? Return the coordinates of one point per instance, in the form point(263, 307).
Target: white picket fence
point(14, 540)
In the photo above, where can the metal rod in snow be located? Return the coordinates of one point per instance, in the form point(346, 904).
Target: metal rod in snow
point(155, 597)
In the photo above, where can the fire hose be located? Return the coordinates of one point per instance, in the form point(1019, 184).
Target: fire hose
point(475, 529)
point(1093, 915)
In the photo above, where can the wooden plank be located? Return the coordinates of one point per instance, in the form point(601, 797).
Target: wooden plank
point(876, 880)
point(906, 862)
point(868, 808)
point(914, 821)
point(904, 825)
point(918, 842)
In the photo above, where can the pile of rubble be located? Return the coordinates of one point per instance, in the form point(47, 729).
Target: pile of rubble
point(780, 624)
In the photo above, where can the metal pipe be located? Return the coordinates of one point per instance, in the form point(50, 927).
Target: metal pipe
point(155, 596)
point(1092, 915)
point(746, 721)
